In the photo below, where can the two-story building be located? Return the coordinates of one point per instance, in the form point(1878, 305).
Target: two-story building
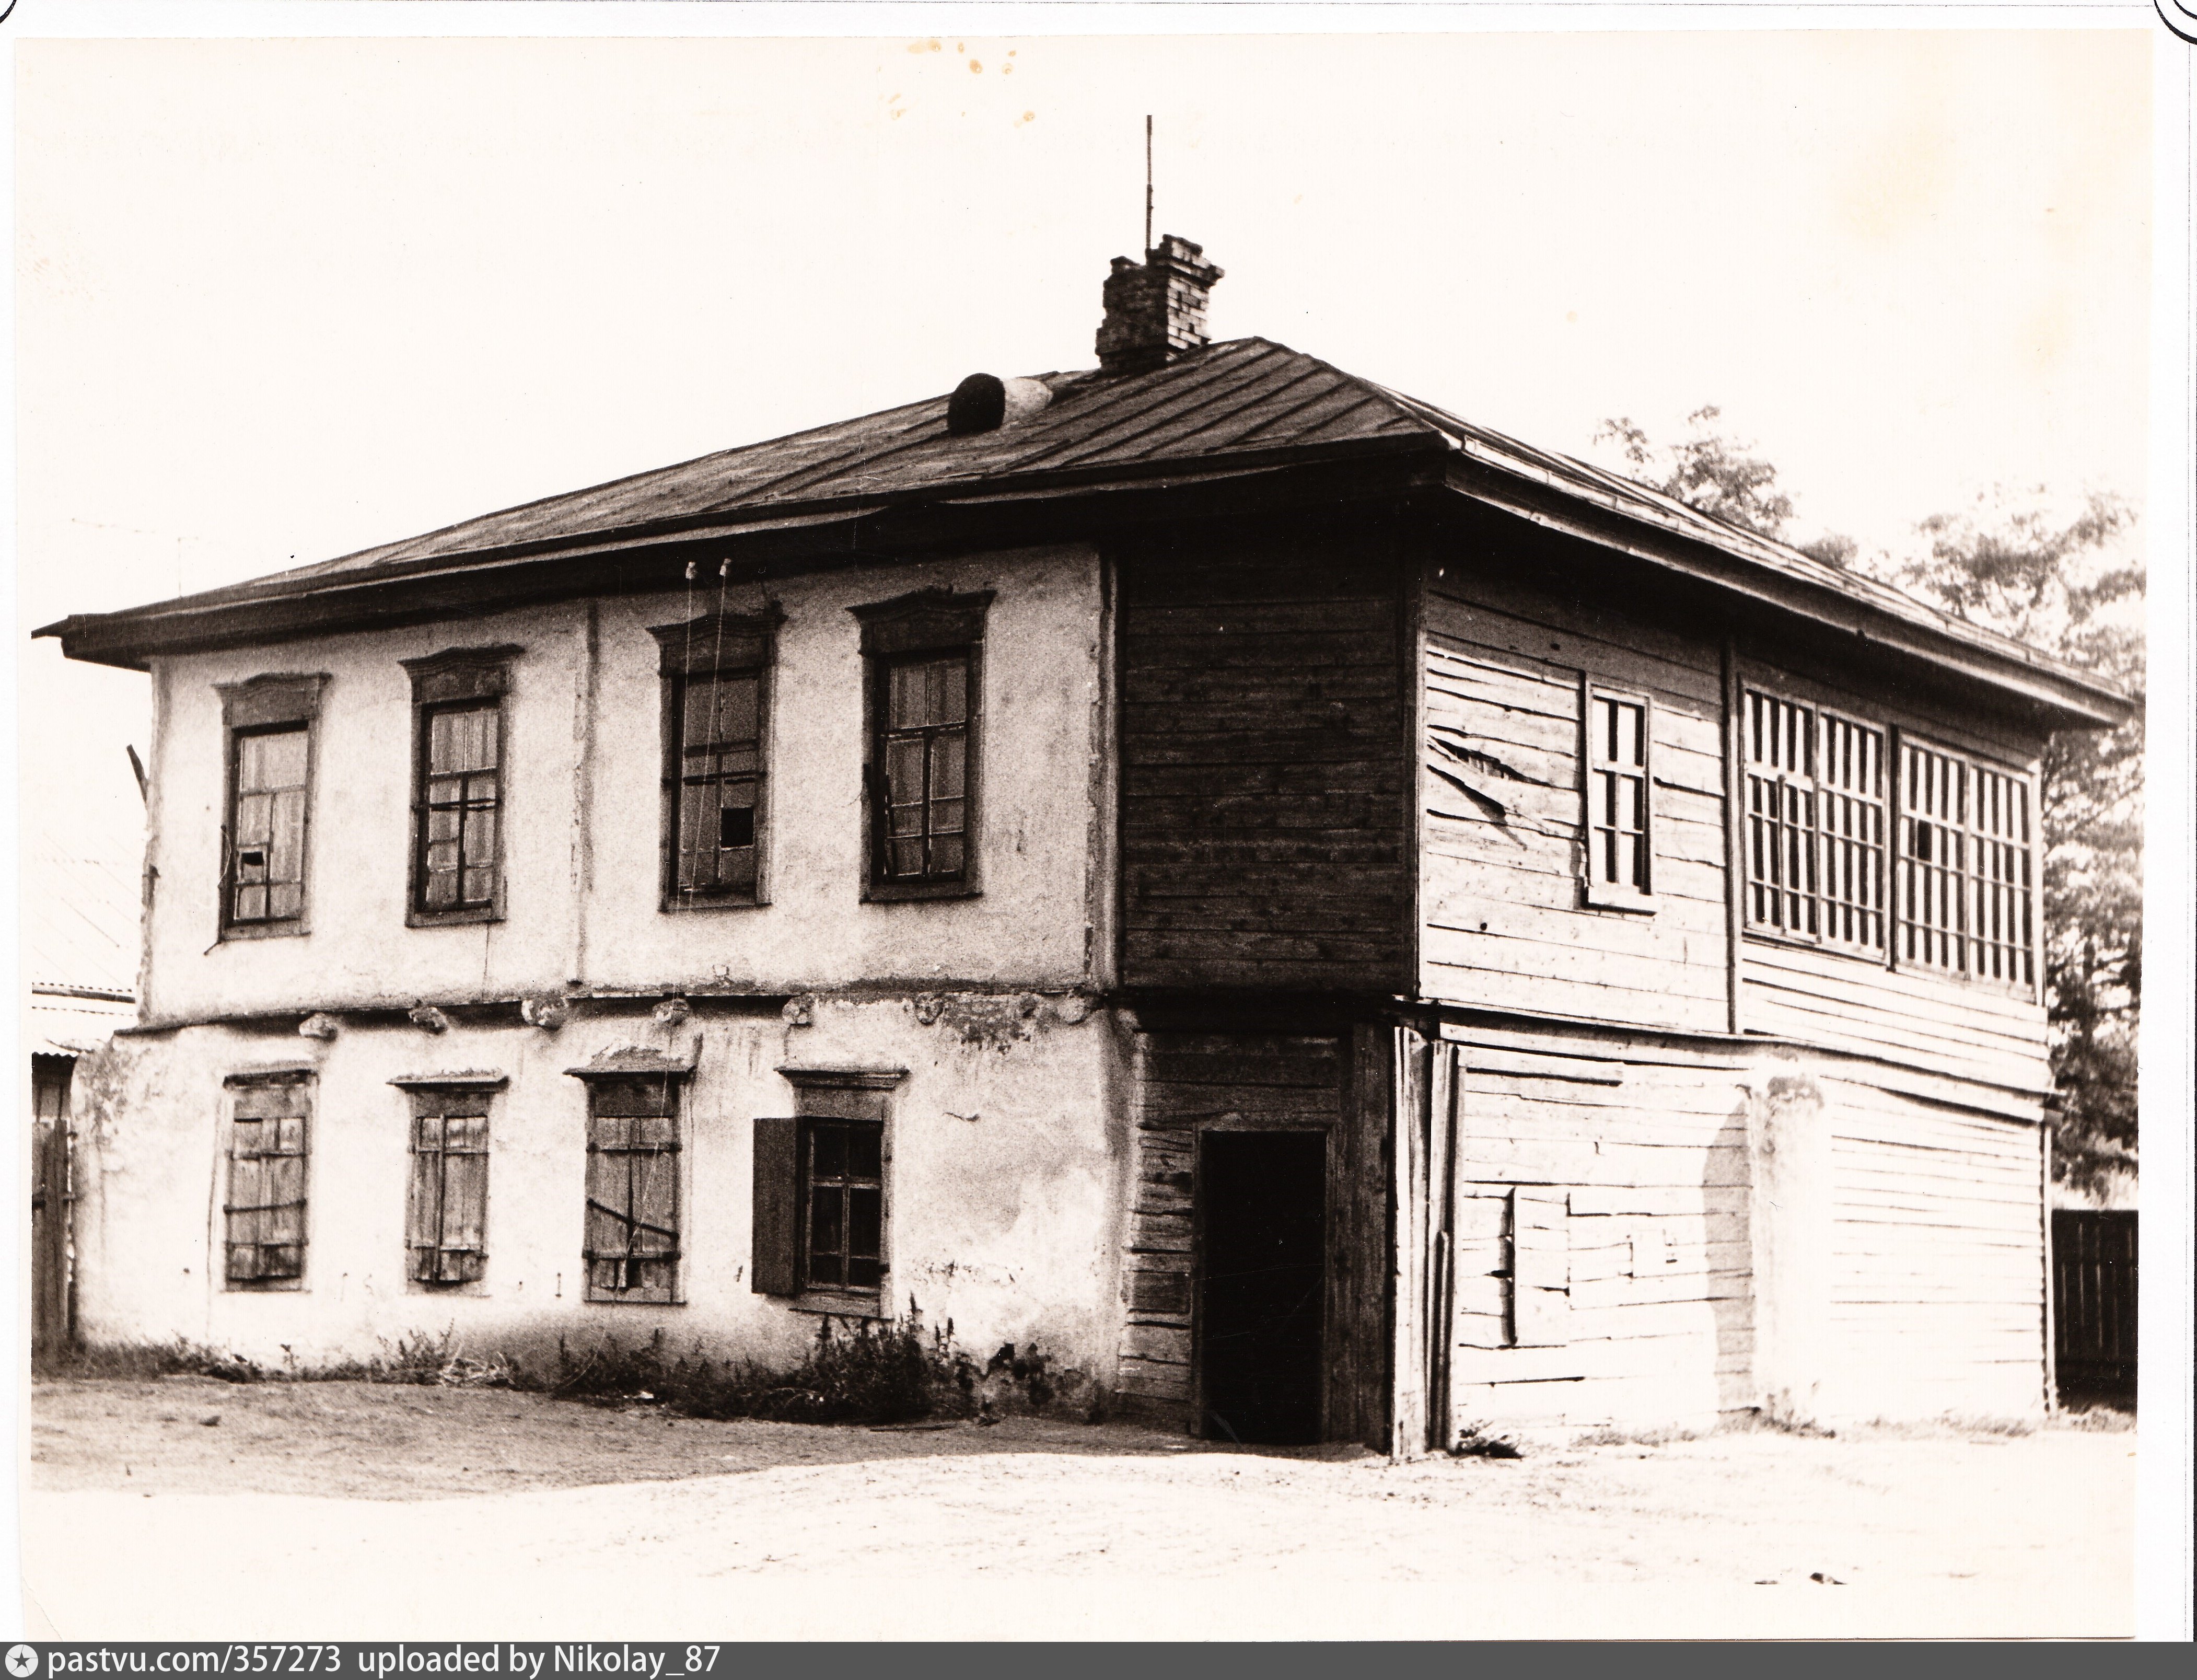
point(1326, 921)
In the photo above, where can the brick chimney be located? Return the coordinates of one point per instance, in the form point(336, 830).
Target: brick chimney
point(1155, 309)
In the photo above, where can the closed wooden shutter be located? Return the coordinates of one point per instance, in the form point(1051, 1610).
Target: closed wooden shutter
point(265, 1215)
point(775, 1265)
point(633, 1188)
point(446, 1215)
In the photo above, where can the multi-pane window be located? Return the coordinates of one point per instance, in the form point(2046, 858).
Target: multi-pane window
point(1815, 822)
point(446, 1209)
point(842, 1213)
point(923, 653)
point(1965, 861)
point(717, 693)
point(925, 750)
point(1619, 843)
point(267, 826)
point(632, 1241)
point(269, 722)
point(460, 794)
point(263, 1212)
point(457, 784)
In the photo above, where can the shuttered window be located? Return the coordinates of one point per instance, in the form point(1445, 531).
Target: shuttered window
point(1815, 824)
point(263, 1213)
point(821, 1221)
point(1966, 858)
point(843, 1210)
point(267, 825)
point(1619, 799)
point(633, 1202)
point(446, 1209)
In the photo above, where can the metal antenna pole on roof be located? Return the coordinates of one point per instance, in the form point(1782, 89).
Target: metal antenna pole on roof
point(1148, 184)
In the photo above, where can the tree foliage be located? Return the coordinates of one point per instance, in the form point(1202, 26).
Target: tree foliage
point(2056, 576)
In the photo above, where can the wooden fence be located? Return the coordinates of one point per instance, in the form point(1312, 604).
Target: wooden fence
point(2094, 1304)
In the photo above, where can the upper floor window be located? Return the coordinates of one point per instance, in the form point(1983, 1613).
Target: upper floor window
point(1965, 860)
point(1823, 857)
point(715, 675)
point(1815, 822)
point(1619, 834)
point(923, 655)
point(270, 723)
point(457, 784)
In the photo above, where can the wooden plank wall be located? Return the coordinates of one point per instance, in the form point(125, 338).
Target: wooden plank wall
point(1602, 1256)
point(1501, 870)
point(1263, 795)
point(1190, 1082)
point(1938, 1245)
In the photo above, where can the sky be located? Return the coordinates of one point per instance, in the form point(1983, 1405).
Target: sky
point(278, 300)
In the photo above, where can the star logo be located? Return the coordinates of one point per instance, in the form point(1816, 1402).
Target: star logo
point(22, 1661)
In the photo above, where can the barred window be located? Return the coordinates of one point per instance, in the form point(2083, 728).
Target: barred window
point(1619, 835)
point(263, 1214)
point(632, 1243)
point(446, 1212)
point(1816, 828)
point(1965, 888)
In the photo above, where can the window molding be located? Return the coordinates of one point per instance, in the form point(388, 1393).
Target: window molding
point(1596, 769)
point(261, 1097)
point(458, 679)
point(633, 1087)
point(714, 646)
point(857, 1097)
point(276, 703)
point(938, 624)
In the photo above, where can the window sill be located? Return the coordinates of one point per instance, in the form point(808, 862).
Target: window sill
point(823, 1301)
point(635, 1298)
point(451, 919)
point(1596, 897)
point(264, 1286)
point(685, 906)
point(293, 930)
point(915, 892)
point(1802, 942)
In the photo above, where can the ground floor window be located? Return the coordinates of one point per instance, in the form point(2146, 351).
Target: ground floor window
point(263, 1213)
point(843, 1227)
point(446, 1210)
point(633, 1205)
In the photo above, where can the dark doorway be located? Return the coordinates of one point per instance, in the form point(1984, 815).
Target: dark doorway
point(1263, 1195)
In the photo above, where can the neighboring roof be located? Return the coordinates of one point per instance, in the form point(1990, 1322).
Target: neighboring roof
point(79, 947)
point(1232, 407)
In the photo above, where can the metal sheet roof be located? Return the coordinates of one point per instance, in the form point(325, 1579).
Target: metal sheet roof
point(1229, 406)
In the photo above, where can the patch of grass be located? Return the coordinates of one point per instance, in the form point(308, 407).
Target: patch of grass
point(147, 1362)
point(889, 1373)
point(1478, 1440)
point(1757, 1421)
point(427, 1360)
point(2100, 1417)
point(1663, 1437)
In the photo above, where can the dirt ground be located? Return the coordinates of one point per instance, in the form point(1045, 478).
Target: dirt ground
point(194, 1508)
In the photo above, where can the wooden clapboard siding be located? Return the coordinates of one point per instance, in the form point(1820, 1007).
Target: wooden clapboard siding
point(1909, 1015)
point(1264, 782)
point(1937, 1280)
point(1642, 1143)
point(1187, 1082)
point(1502, 857)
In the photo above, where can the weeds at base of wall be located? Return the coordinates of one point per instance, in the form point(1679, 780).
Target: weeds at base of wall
point(878, 1374)
point(1477, 1440)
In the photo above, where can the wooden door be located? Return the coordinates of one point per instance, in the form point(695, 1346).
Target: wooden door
point(52, 1319)
point(1261, 1284)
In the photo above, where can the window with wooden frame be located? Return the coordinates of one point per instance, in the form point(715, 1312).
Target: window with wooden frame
point(270, 724)
point(446, 1200)
point(922, 654)
point(1620, 801)
point(1815, 824)
point(457, 784)
point(263, 1210)
point(821, 1209)
point(1965, 868)
point(717, 689)
point(633, 1191)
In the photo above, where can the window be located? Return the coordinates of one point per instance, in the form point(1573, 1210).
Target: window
point(446, 1206)
point(263, 1214)
point(842, 1208)
point(269, 722)
point(1619, 844)
point(632, 1200)
point(715, 675)
point(1815, 824)
point(1965, 888)
point(457, 784)
point(923, 654)
point(822, 1211)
